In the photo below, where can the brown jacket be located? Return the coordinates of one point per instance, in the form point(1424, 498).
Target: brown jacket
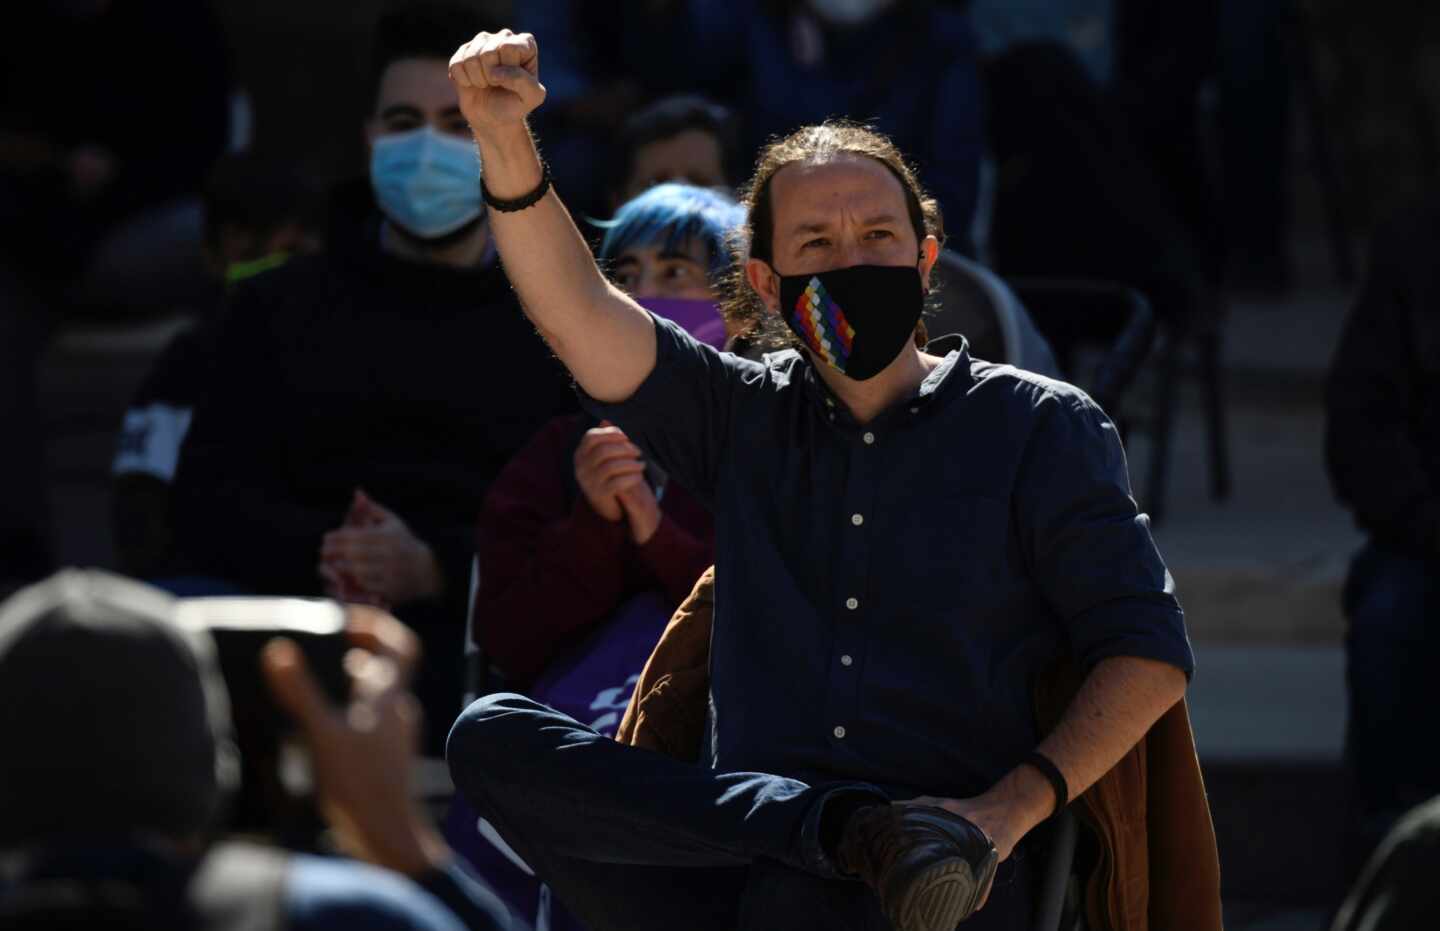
point(1157, 869)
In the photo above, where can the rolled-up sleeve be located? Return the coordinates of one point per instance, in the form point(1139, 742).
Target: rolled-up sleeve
point(681, 413)
point(1089, 547)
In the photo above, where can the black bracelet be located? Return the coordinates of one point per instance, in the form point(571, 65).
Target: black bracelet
point(518, 203)
point(1057, 779)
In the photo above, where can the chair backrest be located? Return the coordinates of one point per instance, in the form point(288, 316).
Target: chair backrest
point(978, 304)
point(1075, 315)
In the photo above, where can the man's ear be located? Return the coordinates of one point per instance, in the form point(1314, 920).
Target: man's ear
point(765, 283)
point(929, 254)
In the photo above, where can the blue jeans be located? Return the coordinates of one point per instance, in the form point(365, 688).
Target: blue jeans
point(631, 839)
point(1393, 603)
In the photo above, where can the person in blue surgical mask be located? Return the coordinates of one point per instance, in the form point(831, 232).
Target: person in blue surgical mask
point(361, 402)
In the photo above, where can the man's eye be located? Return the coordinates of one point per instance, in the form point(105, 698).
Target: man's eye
point(819, 242)
point(679, 271)
point(879, 234)
point(401, 125)
point(458, 128)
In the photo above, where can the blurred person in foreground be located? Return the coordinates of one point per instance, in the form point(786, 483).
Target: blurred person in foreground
point(1382, 447)
point(118, 765)
point(257, 215)
point(873, 756)
point(681, 138)
point(361, 402)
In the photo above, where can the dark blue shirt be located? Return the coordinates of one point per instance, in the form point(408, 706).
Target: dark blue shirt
point(887, 593)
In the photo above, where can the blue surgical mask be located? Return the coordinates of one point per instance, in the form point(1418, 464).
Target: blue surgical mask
point(427, 182)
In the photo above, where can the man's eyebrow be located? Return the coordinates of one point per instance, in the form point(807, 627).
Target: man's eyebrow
point(677, 254)
point(812, 226)
point(399, 109)
point(883, 219)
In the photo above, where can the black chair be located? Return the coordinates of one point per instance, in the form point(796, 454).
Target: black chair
point(1079, 315)
point(976, 303)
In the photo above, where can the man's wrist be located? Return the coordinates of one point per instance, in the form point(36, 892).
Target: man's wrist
point(1028, 797)
point(509, 161)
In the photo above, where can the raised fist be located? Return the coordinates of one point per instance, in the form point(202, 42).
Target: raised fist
point(497, 75)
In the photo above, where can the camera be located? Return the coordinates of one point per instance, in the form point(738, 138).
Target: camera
point(275, 798)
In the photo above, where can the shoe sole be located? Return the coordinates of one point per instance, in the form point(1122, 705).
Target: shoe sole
point(944, 895)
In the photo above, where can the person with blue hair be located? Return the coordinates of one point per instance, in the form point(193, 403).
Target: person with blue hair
point(585, 548)
point(579, 502)
point(670, 244)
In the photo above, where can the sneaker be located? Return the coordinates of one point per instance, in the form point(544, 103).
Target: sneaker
point(929, 867)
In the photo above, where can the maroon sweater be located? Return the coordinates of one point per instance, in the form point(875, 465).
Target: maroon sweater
point(552, 570)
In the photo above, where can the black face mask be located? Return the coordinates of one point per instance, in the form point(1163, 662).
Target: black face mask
point(854, 319)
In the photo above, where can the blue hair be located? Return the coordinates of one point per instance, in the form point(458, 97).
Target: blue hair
point(670, 216)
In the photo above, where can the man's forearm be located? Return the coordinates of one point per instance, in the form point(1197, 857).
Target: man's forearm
point(1115, 707)
point(605, 340)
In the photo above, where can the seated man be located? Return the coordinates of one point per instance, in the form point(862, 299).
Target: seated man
point(360, 403)
point(872, 752)
point(100, 680)
point(680, 138)
point(1383, 450)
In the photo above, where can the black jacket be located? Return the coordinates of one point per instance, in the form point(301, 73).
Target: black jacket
point(1382, 439)
point(416, 383)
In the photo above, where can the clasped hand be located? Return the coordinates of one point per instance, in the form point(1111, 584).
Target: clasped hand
point(375, 558)
point(611, 475)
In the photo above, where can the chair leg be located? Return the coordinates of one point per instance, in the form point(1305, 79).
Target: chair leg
point(1163, 425)
point(1212, 383)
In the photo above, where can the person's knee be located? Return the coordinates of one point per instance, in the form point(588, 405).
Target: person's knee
point(486, 734)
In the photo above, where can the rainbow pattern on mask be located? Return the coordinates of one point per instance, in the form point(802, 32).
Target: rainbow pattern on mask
point(823, 323)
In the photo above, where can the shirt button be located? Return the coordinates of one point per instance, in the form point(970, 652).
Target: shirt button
point(869, 438)
point(846, 660)
point(914, 410)
point(857, 519)
point(852, 603)
point(839, 733)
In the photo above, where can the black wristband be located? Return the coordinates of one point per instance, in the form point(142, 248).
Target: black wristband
point(1057, 779)
point(518, 203)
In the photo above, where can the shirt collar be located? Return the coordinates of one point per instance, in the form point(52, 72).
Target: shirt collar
point(947, 380)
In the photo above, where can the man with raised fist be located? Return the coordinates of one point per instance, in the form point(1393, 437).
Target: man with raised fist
point(872, 753)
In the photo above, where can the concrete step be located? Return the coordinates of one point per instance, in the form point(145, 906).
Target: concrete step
point(1269, 726)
